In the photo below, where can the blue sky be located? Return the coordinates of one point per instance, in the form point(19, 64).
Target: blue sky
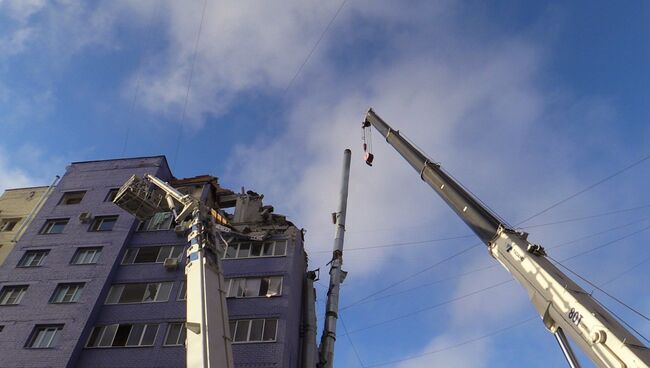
point(525, 102)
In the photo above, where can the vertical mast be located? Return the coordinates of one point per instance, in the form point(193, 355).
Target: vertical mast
point(337, 275)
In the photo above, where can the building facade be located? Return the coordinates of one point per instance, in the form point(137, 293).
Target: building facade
point(88, 285)
point(16, 205)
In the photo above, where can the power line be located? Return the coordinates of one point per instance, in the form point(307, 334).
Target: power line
point(585, 189)
point(588, 217)
point(493, 333)
point(311, 52)
point(391, 245)
point(137, 90)
point(607, 243)
point(500, 330)
point(628, 270)
point(465, 274)
point(189, 82)
point(424, 242)
point(421, 286)
point(434, 306)
point(600, 289)
point(354, 348)
point(401, 281)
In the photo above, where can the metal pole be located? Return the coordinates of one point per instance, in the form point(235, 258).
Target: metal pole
point(566, 348)
point(336, 274)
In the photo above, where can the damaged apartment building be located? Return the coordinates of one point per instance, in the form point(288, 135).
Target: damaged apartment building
point(88, 285)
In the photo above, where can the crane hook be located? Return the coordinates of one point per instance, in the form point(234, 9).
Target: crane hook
point(367, 148)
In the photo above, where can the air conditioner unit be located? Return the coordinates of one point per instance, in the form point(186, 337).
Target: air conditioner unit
point(171, 263)
point(85, 217)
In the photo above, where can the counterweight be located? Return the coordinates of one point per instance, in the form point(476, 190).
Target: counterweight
point(561, 303)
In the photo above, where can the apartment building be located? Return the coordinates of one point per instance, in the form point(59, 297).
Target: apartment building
point(88, 285)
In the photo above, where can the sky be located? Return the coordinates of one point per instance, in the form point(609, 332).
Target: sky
point(526, 103)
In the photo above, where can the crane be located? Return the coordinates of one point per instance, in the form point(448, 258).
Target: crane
point(209, 343)
point(564, 307)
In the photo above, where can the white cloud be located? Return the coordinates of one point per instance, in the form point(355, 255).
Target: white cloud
point(12, 176)
point(21, 10)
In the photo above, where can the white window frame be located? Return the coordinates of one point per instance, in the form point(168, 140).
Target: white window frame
point(94, 253)
point(233, 330)
point(119, 289)
point(182, 332)
point(169, 249)
point(182, 296)
point(50, 223)
point(165, 225)
point(67, 293)
point(15, 293)
point(80, 194)
point(33, 258)
point(104, 328)
point(99, 221)
point(236, 248)
point(40, 333)
point(234, 286)
point(111, 193)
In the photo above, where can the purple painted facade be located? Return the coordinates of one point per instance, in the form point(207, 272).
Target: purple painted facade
point(78, 319)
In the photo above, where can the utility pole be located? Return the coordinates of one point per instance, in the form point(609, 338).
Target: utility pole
point(337, 275)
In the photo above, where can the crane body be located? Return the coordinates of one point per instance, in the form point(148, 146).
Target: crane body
point(208, 341)
point(562, 304)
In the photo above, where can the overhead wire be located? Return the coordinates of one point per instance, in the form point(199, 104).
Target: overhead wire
point(599, 288)
point(458, 298)
point(136, 91)
point(403, 280)
point(494, 265)
point(584, 190)
point(424, 242)
point(189, 81)
point(462, 343)
point(493, 333)
point(354, 347)
point(313, 49)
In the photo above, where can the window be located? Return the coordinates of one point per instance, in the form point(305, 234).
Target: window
point(152, 254)
point(2, 327)
point(253, 330)
point(139, 293)
point(103, 223)
point(33, 258)
point(12, 295)
point(254, 286)
point(9, 224)
point(123, 335)
point(72, 197)
point(182, 291)
point(44, 336)
point(67, 293)
point(159, 221)
point(111, 194)
point(54, 226)
point(175, 334)
point(86, 255)
point(257, 249)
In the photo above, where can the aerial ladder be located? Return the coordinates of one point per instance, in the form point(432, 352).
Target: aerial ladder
point(564, 307)
point(208, 340)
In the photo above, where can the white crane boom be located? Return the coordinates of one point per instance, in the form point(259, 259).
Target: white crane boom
point(561, 303)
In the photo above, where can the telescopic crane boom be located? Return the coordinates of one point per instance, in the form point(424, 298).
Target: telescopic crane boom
point(561, 303)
